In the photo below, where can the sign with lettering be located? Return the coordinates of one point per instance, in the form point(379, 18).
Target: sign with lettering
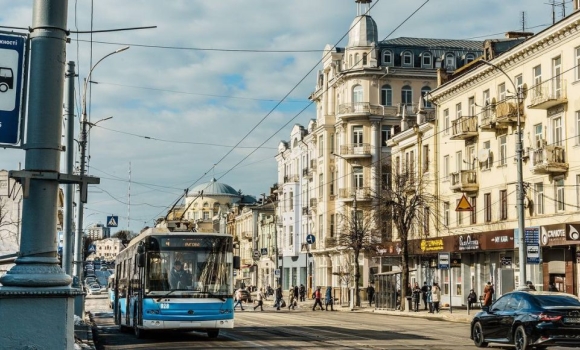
point(432, 245)
point(532, 240)
point(12, 49)
point(467, 243)
point(443, 260)
point(560, 234)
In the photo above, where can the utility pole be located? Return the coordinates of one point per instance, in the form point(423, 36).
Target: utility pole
point(36, 299)
point(68, 234)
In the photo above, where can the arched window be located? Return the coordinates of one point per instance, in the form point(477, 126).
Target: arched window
point(407, 59)
point(386, 95)
point(350, 61)
point(469, 58)
point(357, 97)
point(406, 95)
point(356, 59)
point(450, 61)
point(364, 62)
point(424, 91)
point(426, 60)
point(387, 58)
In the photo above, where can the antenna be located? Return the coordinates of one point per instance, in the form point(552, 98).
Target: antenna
point(129, 200)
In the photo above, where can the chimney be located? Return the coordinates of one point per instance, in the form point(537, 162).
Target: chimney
point(404, 123)
point(515, 35)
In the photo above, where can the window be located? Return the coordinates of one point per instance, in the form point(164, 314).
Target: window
point(577, 192)
point(446, 213)
point(486, 100)
point(387, 58)
point(426, 60)
point(557, 134)
point(407, 58)
point(577, 125)
point(385, 133)
point(206, 215)
point(320, 185)
point(364, 62)
point(356, 59)
point(358, 177)
point(537, 72)
point(450, 61)
point(538, 136)
point(331, 143)
point(469, 58)
point(424, 91)
point(557, 77)
point(446, 168)
point(397, 165)
point(332, 180)
point(519, 81)
point(320, 146)
point(446, 121)
point(350, 61)
point(406, 95)
point(501, 92)
point(386, 95)
point(473, 213)
point(458, 111)
point(459, 214)
point(291, 236)
point(487, 163)
point(425, 158)
point(559, 189)
point(357, 94)
point(577, 61)
point(331, 225)
point(458, 161)
point(291, 201)
point(357, 135)
point(539, 197)
point(502, 150)
point(471, 106)
point(487, 207)
point(503, 205)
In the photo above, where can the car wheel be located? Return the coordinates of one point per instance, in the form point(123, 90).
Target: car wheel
point(3, 87)
point(213, 333)
point(478, 336)
point(521, 340)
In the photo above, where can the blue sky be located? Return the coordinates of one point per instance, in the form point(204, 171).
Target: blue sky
point(195, 105)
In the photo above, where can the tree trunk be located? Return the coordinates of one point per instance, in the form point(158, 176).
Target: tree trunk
point(356, 279)
point(404, 272)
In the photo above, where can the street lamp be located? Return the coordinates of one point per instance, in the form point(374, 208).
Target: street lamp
point(520, 181)
point(80, 201)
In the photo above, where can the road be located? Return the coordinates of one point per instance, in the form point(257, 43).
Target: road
point(299, 329)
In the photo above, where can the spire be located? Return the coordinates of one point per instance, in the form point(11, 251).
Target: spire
point(363, 7)
point(363, 30)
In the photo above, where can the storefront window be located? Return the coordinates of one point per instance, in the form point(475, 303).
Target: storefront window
point(458, 281)
point(445, 277)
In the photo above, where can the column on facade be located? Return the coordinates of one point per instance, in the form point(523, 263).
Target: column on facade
point(375, 154)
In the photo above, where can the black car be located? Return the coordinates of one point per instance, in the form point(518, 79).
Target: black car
point(529, 319)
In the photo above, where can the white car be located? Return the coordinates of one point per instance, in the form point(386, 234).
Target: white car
point(94, 289)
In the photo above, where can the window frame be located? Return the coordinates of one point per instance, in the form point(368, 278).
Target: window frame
point(487, 217)
point(450, 65)
point(502, 150)
point(539, 198)
point(560, 195)
point(386, 95)
point(388, 54)
point(503, 205)
point(426, 56)
point(407, 55)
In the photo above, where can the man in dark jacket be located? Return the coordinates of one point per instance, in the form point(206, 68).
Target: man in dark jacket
point(302, 292)
point(370, 293)
point(424, 291)
point(278, 297)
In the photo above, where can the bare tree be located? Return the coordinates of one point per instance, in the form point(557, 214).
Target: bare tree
point(8, 225)
point(406, 204)
point(124, 235)
point(359, 234)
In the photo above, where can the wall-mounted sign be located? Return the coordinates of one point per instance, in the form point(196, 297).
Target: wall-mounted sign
point(432, 245)
point(560, 234)
point(443, 260)
point(468, 243)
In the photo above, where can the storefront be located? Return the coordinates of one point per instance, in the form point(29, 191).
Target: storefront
point(560, 258)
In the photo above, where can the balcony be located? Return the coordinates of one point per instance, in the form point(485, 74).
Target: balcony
point(548, 160)
point(356, 109)
point(355, 150)
point(464, 128)
point(549, 94)
point(507, 113)
point(348, 194)
point(464, 181)
point(488, 118)
point(330, 242)
point(247, 235)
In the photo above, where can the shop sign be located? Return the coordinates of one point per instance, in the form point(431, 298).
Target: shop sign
point(496, 240)
point(506, 261)
point(389, 249)
point(578, 257)
point(467, 243)
point(432, 245)
point(561, 234)
point(455, 262)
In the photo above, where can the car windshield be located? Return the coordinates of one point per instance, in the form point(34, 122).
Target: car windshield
point(557, 300)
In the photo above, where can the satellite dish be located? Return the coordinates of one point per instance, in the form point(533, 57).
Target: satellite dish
point(483, 155)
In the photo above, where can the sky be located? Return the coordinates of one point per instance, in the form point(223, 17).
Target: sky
point(216, 85)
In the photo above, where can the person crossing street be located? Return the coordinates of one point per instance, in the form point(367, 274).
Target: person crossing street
point(317, 301)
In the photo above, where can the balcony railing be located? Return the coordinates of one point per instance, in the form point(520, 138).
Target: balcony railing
point(356, 149)
point(464, 181)
point(548, 160)
point(507, 112)
point(356, 108)
point(361, 193)
point(330, 242)
point(464, 128)
point(549, 94)
point(488, 118)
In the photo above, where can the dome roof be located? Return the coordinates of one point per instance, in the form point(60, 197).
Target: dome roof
point(363, 32)
point(214, 188)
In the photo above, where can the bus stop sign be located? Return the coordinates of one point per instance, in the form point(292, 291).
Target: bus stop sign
point(11, 72)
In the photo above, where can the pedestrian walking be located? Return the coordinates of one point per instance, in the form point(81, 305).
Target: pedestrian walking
point(416, 296)
point(278, 301)
point(371, 294)
point(296, 296)
point(424, 291)
point(239, 299)
point(292, 298)
point(302, 292)
point(436, 297)
point(488, 294)
point(317, 301)
point(430, 299)
point(471, 299)
point(260, 297)
point(328, 300)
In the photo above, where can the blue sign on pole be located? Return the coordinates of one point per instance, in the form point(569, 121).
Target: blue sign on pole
point(112, 221)
point(532, 239)
point(443, 260)
point(11, 71)
point(310, 239)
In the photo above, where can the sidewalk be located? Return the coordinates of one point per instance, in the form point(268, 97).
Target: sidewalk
point(84, 333)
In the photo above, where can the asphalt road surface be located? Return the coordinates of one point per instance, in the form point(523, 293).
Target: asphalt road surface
point(298, 329)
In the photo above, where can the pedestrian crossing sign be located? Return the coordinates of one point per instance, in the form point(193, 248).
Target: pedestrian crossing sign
point(112, 221)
